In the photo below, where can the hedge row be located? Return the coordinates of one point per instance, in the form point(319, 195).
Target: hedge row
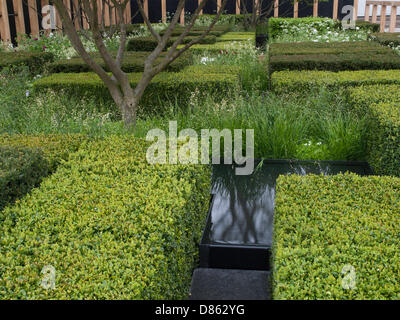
point(35, 61)
point(149, 43)
point(304, 81)
point(111, 225)
point(224, 19)
point(21, 169)
point(237, 36)
point(368, 26)
point(360, 61)
point(381, 103)
point(176, 88)
point(309, 47)
point(329, 228)
point(386, 38)
point(26, 159)
point(56, 148)
point(132, 62)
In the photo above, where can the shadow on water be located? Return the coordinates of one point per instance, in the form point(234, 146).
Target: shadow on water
point(242, 209)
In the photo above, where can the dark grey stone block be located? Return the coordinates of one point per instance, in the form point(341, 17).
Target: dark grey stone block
point(229, 284)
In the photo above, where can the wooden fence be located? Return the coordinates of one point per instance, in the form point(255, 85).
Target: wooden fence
point(384, 5)
point(26, 16)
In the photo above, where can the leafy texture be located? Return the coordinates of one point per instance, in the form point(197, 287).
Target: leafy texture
point(112, 226)
point(323, 223)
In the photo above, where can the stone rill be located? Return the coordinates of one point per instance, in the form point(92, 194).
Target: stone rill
point(238, 233)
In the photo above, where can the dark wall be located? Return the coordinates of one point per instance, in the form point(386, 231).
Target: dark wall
point(285, 8)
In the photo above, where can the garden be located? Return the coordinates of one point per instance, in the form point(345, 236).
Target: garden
point(77, 193)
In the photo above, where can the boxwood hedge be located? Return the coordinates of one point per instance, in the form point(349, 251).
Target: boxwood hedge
point(306, 80)
point(56, 148)
point(21, 169)
point(332, 56)
point(35, 61)
point(324, 223)
point(386, 38)
point(309, 47)
point(237, 36)
point(132, 62)
point(176, 88)
point(149, 43)
point(112, 226)
point(381, 103)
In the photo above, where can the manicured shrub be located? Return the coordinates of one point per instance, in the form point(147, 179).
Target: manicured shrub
point(368, 26)
point(309, 47)
point(132, 62)
point(176, 88)
point(21, 169)
point(330, 62)
point(35, 61)
point(304, 81)
point(56, 148)
point(386, 38)
point(237, 36)
point(112, 226)
point(149, 43)
point(381, 103)
point(277, 25)
point(324, 223)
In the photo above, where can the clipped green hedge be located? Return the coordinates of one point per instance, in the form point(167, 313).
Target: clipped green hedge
point(55, 147)
point(324, 223)
point(382, 105)
point(237, 36)
point(176, 88)
point(224, 19)
point(21, 169)
point(305, 81)
point(112, 226)
point(131, 29)
point(363, 55)
point(367, 26)
point(149, 43)
point(132, 62)
point(330, 62)
point(386, 38)
point(309, 47)
point(35, 61)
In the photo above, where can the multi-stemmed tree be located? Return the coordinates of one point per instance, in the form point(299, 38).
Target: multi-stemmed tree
point(126, 97)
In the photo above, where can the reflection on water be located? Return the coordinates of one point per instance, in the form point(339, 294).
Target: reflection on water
point(243, 206)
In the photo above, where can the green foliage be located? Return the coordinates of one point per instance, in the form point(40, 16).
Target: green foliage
point(332, 57)
point(35, 61)
point(323, 223)
point(112, 226)
point(381, 103)
point(386, 38)
point(220, 47)
point(21, 169)
point(278, 26)
point(149, 43)
point(309, 47)
point(165, 87)
point(306, 81)
point(237, 36)
point(196, 31)
point(56, 148)
point(133, 61)
point(224, 19)
point(367, 26)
